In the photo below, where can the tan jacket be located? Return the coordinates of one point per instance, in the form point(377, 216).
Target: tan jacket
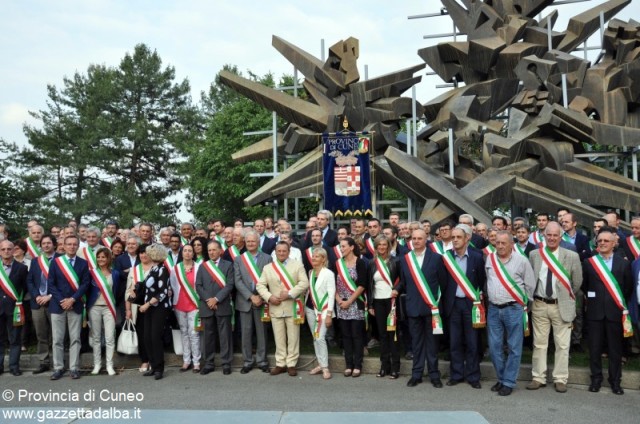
point(270, 285)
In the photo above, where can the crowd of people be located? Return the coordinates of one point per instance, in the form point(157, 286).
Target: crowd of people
point(410, 288)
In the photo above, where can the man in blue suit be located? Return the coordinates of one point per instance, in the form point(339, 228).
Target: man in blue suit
point(417, 266)
point(634, 301)
point(463, 337)
point(69, 280)
point(12, 288)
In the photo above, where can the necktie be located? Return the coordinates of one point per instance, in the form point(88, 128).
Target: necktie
point(549, 289)
point(71, 261)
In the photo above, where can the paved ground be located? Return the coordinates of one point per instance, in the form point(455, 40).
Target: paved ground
point(194, 397)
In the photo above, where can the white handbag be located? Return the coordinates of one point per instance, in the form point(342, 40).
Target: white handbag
point(128, 339)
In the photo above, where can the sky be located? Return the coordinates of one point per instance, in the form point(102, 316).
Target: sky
point(41, 41)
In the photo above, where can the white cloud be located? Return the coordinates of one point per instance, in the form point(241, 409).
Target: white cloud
point(14, 114)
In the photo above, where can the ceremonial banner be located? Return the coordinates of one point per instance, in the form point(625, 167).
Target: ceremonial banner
point(347, 179)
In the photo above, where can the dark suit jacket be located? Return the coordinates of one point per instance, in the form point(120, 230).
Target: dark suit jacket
point(123, 263)
point(478, 241)
point(329, 240)
point(117, 288)
point(477, 277)
point(436, 275)
point(206, 287)
point(18, 277)
point(268, 245)
point(33, 281)
point(582, 246)
point(227, 256)
point(600, 304)
point(60, 289)
point(634, 310)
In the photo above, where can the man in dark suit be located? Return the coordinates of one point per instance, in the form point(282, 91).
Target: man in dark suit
point(422, 262)
point(13, 286)
point(329, 236)
point(604, 314)
point(631, 244)
point(458, 306)
point(267, 244)
point(373, 230)
point(634, 302)
point(40, 297)
point(67, 289)
point(522, 244)
point(214, 284)
point(571, 235)
point(247, 270)
point(477, 241)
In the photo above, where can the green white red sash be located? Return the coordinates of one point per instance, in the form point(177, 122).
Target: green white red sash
point(289, 283)
point(90, 257)
point(337, 251)
point(478, 314)
point(138, 273)
point(592, 246)
point(234, 252)
point(44, 264)
point(512, 288)
point(190, 291)
point(401, 242)
point(410, 244)
point(222, 242)
point(437, 247)
point(634, 246)
point(538, 238)
point(518, 249)
point(198, 261)
point(254, 272)
point(215, 273)
point(309, 253)
point(169, 263)
point(183, 241)
point(343, 271)
point(370, 247)
point(107, 242)
point(319, 305)
point(383, 269)
point(73, 280)
point(613, 287)
point(489, 249)
point(106, 290)
point(32, 248)
point(10, 289)
point(422, 285)
point(557, 269)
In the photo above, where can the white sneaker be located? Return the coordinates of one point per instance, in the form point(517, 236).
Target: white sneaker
point(110, 370)
point(96, 370)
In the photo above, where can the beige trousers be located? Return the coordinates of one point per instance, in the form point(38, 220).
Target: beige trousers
point(287, 336)
point(544, 317)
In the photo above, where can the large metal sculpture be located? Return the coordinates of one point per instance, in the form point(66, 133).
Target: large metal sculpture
point(507, 67)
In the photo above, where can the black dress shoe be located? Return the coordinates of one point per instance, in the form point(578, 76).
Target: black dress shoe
point(393, 375)
point(505, 391)
point(1, 371)
point(245, 370)
point(476, 385)
point(57, 375)
point(157, 375)
point(496, 387)
point(16, 372)
point(436, 383)
point(41, 369)
point(75, 374)
point(226, 370)
point(594, 387)
point(207, 370)
point(454, 382)
point(265, 368)
point(381, 373)
point(617, 390)
point(413, 382)
point(148, 373)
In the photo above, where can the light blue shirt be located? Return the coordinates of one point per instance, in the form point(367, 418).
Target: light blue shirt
point(462, 261)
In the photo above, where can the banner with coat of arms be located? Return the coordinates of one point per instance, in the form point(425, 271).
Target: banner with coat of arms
point(347, 181)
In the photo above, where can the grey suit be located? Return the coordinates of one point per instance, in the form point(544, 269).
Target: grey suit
point(249, 313)
point(546, 315)
point(218, 322)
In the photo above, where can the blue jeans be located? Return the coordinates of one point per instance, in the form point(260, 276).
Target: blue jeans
point(500, 321)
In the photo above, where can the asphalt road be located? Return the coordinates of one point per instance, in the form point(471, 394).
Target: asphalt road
point(257, 391)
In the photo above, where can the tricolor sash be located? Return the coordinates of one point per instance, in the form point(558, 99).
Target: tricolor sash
point(410, 245)
point(343, 271)
point(215, 273)
point(190, 291)
point(106, 290)
point(634, 246)
point(337, 251)
point(557, 269)
point(566, 237)
point(74, 281)
point(138, 273)
point(370, 247)
point(254, 272)
point(592, 246)
point(10, 289)
point(90, 257)
point(437, 247)
point(234, 252)
point(538, 238)
point(183, 241)
point(383, 269)
point(222, 242)
point(319, 305)
point(478, 314)
point(613, 287)
point(512, 288)
point(309, 253)
point(422, 285)
point(518, 249)
point(32, 248)
point(401, 242)
point(44, 264)
point(489, 249)
point(168, 263)
point(289, 283)
point(107, 242)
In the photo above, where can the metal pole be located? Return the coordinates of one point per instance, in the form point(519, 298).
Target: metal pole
point(274, 121)
point(409, 131)
point(296, 217)
point(414, 127)
point(322, 58)
point(295, 82)
point(549, 38)
point(451, 152)
point(565, 100)
point(602, 29)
